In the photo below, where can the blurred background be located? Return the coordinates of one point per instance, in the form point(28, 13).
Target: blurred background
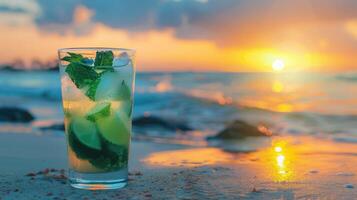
point(286, 67)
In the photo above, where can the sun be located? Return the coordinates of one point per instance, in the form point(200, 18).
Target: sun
point(278, 65)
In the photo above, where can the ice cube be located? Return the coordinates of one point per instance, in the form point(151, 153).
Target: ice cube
point(122, 60)
point(70, 92)
point(125, 74)
point(75, 102)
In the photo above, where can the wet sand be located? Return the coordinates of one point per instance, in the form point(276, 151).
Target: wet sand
point(290, 168)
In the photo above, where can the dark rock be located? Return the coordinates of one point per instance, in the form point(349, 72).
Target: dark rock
point(238, 130)
point(152, 121)
point(57, 127)
point(13, 114)
point(8, 68)
point(31, 174)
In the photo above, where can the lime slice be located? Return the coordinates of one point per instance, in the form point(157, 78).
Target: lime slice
point(115, 128)
point(124, 92)
point(126, 106)
point(125, 73)
point(112, 86)
point(86, 132)
point(98, 111)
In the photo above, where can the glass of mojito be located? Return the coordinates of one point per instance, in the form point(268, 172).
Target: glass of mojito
point(97, 94)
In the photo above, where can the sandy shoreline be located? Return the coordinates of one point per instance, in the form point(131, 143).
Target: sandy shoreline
point(302, 168)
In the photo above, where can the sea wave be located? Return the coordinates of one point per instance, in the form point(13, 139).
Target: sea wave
point(281, 122)
point(205, 101)
point(347, 77)
point(43, 93)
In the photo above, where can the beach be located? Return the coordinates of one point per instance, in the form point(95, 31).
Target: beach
point(195, 136)
point(166, 171)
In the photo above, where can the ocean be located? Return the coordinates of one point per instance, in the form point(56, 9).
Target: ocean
point(319, 104)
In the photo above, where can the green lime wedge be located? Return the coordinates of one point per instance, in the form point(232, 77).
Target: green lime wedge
point(124, 92)
point(115, 128)
point(86, 132)
point(127, 107)
point(98, 111)
point(112, 87)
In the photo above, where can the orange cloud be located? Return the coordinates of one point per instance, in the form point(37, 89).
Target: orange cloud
point(189, 35)
point(157, 50)
point(82, 15)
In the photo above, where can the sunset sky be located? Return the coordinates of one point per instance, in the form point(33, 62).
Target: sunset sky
point(194, 35)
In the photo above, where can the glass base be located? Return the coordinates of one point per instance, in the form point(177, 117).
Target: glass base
point(98, 181)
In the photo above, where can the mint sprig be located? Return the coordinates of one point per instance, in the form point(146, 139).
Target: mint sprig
point(85, 76)
point(81, 75)
point(73, 57)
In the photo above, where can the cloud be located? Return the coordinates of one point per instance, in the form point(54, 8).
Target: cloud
point(56, 12)
point(12, 10)
point(259, 22)
point(19, 6)
point(351, 27)
point(18, 12)
point(225, 22)
point(126, 14)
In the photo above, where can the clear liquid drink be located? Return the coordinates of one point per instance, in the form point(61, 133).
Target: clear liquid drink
point(97, 94)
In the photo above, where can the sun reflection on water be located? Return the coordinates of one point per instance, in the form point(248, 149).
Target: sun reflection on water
point(282, 159)
point(277, 93)
point(188, 157)
point(284, 107)
point(278, 149)
point(277, 86)
point(277, 159)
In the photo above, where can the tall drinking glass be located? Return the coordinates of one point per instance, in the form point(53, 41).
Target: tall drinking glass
point(97, 94)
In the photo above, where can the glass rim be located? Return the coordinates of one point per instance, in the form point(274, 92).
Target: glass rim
point(71, 49)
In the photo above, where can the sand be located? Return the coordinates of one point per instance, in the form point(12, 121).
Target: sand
point(291, 168)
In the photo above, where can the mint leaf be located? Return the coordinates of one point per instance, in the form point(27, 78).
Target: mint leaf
point(90, 93)
point(73, 57)
point(103, 58)
point(81, 75)
point(99, 110)
point(112, 157)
